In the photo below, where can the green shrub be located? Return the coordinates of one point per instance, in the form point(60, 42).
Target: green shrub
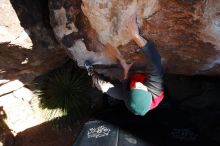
point(64, 94)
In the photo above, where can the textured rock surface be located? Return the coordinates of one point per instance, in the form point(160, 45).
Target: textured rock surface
point(187, 33)
point(23, 123)
point(27, 44)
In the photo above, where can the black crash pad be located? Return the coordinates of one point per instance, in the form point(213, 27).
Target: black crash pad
point(99, 133)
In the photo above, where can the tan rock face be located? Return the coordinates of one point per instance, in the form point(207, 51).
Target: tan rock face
point(187, 33)
point(10, 28)
point(178, 30)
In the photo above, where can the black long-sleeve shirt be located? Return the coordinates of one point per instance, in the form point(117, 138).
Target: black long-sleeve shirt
point(154, 82)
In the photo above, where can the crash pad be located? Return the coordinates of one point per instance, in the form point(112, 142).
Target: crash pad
point(100, 133)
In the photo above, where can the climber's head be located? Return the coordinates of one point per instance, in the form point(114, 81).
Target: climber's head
point(139, 98)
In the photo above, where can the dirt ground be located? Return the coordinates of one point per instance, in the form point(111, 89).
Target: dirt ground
point(22, 123)
point(45, 135)
point(40, 135)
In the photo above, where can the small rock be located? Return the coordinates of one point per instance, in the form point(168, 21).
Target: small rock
point(24, 94)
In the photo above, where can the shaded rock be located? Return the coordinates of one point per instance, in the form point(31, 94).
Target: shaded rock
point(198, 98)
point(6, 137)
point(27, 44)
point(193, 92)
point(186, 32)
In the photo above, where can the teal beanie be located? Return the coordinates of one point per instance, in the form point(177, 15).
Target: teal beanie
point(139, 101)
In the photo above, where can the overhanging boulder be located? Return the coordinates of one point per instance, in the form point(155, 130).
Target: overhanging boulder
point(187, 33)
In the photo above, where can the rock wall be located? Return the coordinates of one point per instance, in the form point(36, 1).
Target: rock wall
point(28, 47)
point(186, 32)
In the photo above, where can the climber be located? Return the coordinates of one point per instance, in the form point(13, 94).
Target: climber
point(141, 92)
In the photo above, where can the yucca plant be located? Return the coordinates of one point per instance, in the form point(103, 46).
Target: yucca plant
point(64, 94)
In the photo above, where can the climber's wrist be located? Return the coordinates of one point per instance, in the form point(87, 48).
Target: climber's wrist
point(136, 36)
point(140, 40)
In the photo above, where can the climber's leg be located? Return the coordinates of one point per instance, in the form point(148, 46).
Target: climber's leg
point(106, 87)
point(110, 89)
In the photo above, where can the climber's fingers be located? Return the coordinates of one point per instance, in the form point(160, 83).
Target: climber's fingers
point(84, 8)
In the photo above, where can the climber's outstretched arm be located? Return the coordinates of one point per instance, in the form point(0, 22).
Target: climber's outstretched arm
point(155, 72)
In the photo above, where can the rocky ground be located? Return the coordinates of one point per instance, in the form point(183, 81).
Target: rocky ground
point(188, 116)
point(22, 122)
point(37, 35)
